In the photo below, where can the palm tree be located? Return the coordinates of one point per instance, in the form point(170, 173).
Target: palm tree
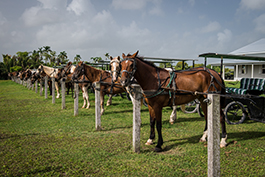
point(63, 57)
point(46, 50)
point(77, 58)
point(40, 51)
point(53, 57)
point(107, 55)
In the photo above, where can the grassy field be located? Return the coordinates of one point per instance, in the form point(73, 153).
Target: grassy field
point(38, 138)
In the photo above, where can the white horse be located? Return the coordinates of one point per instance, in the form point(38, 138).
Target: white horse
point(51, 72)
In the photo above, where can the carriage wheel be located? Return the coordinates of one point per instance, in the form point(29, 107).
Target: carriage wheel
point(190, 107)
point(235, 113)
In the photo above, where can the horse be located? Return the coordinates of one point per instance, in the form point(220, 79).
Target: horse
point(85, 72)
point(51, 72)
point(40, 77)
point(115, 65)
point(67, 73)
point(162, 88)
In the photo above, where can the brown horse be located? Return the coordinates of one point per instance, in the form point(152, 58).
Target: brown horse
point(92, 74)
point(67, 73)
point(162, 88)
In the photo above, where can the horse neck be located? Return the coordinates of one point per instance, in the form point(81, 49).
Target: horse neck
point(92, 73)
point(146, 76)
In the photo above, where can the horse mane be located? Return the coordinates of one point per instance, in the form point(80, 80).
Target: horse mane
point(141, 58)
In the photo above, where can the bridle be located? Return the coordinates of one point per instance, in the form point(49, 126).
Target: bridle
point(117, 70)
point(130, 73)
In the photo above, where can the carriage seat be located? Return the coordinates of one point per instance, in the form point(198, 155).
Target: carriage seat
point(253, 86)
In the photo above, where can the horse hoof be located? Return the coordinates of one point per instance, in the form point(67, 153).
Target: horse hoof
point(222, 145)
point(201, 140)
point(149, 142)
point(158, 149)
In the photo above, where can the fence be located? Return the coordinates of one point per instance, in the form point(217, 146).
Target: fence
point(213, 124)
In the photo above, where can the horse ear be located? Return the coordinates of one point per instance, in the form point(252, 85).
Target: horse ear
point(123, 55)
point(135, 54)
point(119, 58)
point(110, 57)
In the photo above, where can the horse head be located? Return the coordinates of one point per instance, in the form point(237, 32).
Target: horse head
point(115, 65)
point(128, 68)
point(79, 71)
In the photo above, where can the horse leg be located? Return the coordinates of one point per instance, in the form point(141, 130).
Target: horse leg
point(158, 115)
point(86, 96)
point(152, 126)
point(224, 135)
point(83, 93)
point(173, 115)
point(204, 109)
point(102, 102)
point(109, 102)
point(57, 89)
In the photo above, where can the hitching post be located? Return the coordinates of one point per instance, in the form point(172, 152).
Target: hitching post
point(76, 100)
point(45, 86)
point(63, 92)
point(213, 135)
point(36, 86)
point(32, 86)
point(28, 83)
point(97, 106)
point(136, 117)
point(53, 90)
point(41, 88)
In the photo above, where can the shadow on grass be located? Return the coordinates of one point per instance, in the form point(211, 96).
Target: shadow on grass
point(195, 139)
point(9, 136)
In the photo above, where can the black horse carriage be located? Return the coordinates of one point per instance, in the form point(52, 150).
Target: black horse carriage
point(246, 101)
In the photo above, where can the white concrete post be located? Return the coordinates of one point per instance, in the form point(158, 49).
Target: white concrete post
point(76, 100)
point(136, 117)
point(53, 90)
point(63, 92)
point(97, 106)
point(213, 135)
point(45, 86)
point(36, 86)
point(32, 86)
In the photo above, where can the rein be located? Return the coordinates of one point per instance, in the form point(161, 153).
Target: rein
point(172, 76)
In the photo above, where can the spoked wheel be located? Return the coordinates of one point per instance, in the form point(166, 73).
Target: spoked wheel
point(190, 107)
point(235, 113)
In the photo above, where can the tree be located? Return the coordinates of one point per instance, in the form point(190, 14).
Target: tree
point(96, 59)
point(63, 57)
point(46, 51)
point(77, 58)
point(107, 55)
point(179, 66)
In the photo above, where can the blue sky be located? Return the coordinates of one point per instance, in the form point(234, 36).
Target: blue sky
point(157, 28)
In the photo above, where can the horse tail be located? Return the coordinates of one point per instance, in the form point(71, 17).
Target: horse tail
point(220, 81)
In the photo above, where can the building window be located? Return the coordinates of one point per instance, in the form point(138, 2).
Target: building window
point(263, 69)
point(243, 71)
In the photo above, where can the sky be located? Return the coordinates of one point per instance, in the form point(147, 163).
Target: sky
point(157, 28)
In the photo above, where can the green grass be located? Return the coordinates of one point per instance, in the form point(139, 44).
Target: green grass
point(38, 138)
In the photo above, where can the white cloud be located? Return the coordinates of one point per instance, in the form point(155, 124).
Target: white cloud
point(211, 27)
point(37, 16)
point(129, 4)
point(133, 31)
point(80, 6)
point(224, 36)
point(53, 4)
point(252, 4)
point(260, 23)
point(156, 9)
point(2, 19)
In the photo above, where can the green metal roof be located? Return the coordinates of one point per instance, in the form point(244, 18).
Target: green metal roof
point(229, 56)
